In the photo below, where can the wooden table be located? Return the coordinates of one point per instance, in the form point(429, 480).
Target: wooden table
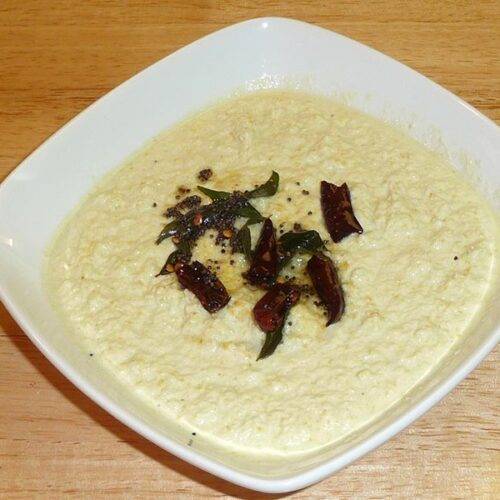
point(58, 57)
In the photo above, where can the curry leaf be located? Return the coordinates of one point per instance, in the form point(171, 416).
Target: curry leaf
point(169, 230)
point(252, 221)
point(250, 213)
point(183, 253)
point(214, 195)
point(302, 241)
point(269, 188)
point(244, 241)
point(272, 341)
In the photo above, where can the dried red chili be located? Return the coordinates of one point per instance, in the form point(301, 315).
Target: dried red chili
point(270, 314)
point(203, 284)
point(264, 266)
point(327, 285)
point(338, 212)
point(271, 309)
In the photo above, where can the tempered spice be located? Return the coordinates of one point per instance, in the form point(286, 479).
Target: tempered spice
point(205, 174)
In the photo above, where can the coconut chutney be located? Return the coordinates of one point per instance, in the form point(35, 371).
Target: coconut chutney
point(413, 281)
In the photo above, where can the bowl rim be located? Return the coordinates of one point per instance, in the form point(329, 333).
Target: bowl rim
point(190, 455)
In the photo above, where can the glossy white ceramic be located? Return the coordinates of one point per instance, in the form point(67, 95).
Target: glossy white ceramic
point(259, 53)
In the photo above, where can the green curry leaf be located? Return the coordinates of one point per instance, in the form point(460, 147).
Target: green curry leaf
point(182, 253)
point(244, 241)
point(169, 230)
point(250, 212)
point(269, 188)
point(272, 341)
point(214, 195)
point(302, 241)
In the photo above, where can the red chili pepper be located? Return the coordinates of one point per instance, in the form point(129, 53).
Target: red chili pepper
point(204, 284)
point(327, 285)
point(264, 267)
point(271, 310)
point(338, 212)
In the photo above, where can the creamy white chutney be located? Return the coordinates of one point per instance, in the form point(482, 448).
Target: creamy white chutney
point(413, 281)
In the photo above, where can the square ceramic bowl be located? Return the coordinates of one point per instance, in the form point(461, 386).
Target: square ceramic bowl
point(260, 53)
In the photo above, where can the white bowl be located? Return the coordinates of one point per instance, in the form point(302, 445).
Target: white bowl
point(257, 53)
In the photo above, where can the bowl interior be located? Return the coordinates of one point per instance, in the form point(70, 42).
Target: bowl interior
point(261, 53)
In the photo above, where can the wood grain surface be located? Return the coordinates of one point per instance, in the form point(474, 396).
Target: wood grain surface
point(56, 57)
